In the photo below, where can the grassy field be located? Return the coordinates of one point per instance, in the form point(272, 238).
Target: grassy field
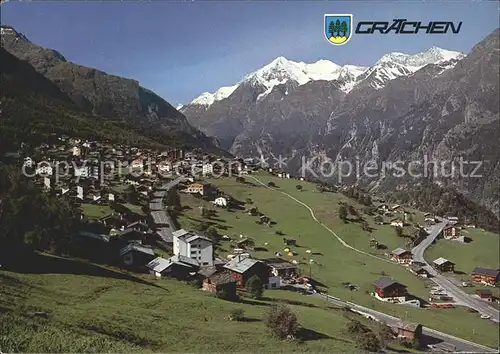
point(95, 211)
point(94, 309)
point(333, 263)
point(134, 208)
point(481, 252)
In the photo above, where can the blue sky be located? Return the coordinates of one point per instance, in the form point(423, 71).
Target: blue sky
point(181, 49)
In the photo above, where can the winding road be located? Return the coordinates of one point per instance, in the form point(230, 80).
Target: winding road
point(163, 222)
point(458, 294)
point(460, 344)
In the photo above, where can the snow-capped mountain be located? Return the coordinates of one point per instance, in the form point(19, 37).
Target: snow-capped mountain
point(207, 98)
point(281, 70)
point(394, 65)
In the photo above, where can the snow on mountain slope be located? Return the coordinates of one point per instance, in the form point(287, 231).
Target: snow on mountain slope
point(207, 98)
point(282, 70)
point(394, 65)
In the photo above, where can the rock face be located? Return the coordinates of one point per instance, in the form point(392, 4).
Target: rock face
point(439, 104)
point(35, 110)
point(107, 96)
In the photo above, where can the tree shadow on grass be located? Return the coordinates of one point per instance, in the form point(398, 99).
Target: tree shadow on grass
point(391, 349)
point(37, 263)
point(247, 301)
point(307, 334)
point(249, 319)
point(288, 302)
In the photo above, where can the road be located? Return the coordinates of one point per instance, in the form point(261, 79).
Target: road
point(451, 289)
point(460, 344)
point(164, 225)
point(434, 231)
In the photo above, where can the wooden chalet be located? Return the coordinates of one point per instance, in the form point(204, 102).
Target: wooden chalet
point(485, 294)
point(420, 271)
point(450, 232)
point(196, 188)
point(177, 267)
point(401, 256)
point(486, 275)
point(385, 287)
point(443, 265)
point(222, 281)
point(281, 268)
point(116, 221)
point(137, 255)
point(397, 222)
point(409, 331)
point(243, 269)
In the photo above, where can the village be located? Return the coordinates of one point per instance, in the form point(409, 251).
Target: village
point(128, 220)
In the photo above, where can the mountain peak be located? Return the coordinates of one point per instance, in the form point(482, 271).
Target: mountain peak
point(207, 98)
point(9, 31)
point(279, 61)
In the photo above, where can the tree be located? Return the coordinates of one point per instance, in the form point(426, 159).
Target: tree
point(369, 341)
point(212, 233)
point(172, 199)
point(399, 231)
point(366, 339)
point(271, 184)
point(31, 219)
point(413, 344)
point(343, 27)
point(378, 218)
point(299, 187)
point(240, 179)
point(254, 287)
point(331, 28)
point(343, 212)
point(236, 314)
point(338, 27)
point(282, 322)
point(222, 293)
point(132, 195)
point(203, 226)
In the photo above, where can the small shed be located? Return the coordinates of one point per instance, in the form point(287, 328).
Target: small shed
point(408, 330)
point(485, 294)
point(222, 281)
point(137, 255)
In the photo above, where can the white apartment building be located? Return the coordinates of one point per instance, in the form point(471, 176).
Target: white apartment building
point(193, 246)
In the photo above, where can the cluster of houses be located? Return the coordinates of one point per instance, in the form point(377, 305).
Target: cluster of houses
point(193, 258)
point(480, 275)
point(65, 162)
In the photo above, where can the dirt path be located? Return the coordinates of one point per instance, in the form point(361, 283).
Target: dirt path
point(345, 244)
